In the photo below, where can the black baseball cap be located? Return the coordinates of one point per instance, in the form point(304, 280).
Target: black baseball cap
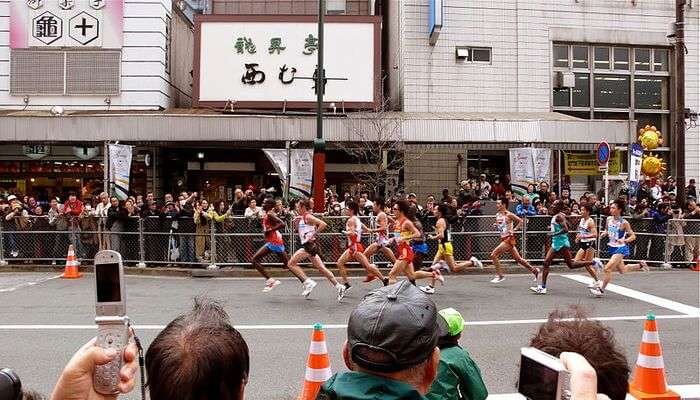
point(394, 327)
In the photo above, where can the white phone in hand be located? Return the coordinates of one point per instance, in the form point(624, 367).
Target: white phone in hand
point(542, 376)
point(110, 317)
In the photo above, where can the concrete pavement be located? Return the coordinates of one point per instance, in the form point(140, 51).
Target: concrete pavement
point(45, 320)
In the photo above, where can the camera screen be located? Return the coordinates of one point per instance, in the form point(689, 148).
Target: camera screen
point(537, 382)
point(107, 276)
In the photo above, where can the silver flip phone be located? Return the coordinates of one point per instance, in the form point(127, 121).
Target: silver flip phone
point(110, 317)
point(542, 376)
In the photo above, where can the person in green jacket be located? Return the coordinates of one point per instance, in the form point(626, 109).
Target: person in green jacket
point(458, 375)
point(391, 349)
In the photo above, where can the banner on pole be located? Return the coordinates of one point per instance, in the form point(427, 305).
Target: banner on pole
point(119, 170)
point(302, 163)
point(529, 165)
point(635, 172)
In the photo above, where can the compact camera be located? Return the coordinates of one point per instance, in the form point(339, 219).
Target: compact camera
point(542, 376)
point(10, 385)
point(110, 317)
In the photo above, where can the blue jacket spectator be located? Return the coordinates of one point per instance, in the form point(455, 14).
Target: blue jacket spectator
point(525, 209)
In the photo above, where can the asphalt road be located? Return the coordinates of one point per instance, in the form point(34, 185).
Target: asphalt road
point(45, 320)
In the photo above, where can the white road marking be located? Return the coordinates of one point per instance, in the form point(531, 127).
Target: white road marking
point(685, 391)
point(645, 297)
point(330, 326)
point(31, 283)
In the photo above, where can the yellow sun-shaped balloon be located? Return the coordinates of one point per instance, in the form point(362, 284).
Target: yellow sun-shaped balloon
point(650, 137)
point(652, 165)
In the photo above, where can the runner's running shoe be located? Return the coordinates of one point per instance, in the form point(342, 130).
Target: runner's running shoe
point(596, 291)
point(498, 279)
point(477, 262)
point(427, 289)
point(538, 289)
point(309, 285)
point(438, 276)
point(270, 284)
point(341, 292)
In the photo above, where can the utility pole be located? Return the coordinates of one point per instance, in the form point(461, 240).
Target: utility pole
point(319, 144)
point(680, 102)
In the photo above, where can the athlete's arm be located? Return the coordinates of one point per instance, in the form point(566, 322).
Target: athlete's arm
point(605, 232)
point(412, 227)
point(630, 235)
point(439, 229)
point(593, 228)
point(275, 223)
point(320, 225)
point(517, 220)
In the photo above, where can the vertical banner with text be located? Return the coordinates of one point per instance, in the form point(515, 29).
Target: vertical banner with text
point(119, 170)
point(635, 172)
point(302, 163)
point(529, 165)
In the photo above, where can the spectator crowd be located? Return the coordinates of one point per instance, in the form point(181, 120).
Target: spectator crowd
point(176, 228)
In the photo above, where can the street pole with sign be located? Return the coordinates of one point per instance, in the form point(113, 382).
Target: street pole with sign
point(319, 143)
point(680, 50)
point(603, 158)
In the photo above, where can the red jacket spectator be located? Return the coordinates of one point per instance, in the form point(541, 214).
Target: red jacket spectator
point(73, 206)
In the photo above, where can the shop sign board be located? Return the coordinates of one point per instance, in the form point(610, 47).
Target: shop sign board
point(270, 61)
point(66, 23)
point(586, 164)
point(36, 151)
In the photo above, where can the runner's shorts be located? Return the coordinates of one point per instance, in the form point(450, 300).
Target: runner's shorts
point(275, 248)
point(586, 245)
point(405, 253)
point(445, 249)
point(311, 248)
point(420, 247)
point(356, 247)
point(510, 240)
point(624, 250)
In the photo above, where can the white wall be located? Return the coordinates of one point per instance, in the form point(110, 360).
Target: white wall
point(520, 33)
point(144, 81)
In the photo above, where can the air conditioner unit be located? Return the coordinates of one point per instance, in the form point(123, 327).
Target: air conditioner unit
point(335, 6)
point(564, 79)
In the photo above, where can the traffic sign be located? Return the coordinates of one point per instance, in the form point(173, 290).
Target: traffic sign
point(603, 154)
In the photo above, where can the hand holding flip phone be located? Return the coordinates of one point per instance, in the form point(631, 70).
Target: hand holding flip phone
point(112, 322)
point(542, 376)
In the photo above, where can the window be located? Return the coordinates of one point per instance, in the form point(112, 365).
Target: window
point(642, 59)
point(660, 60)
point(481, 54)
point(580, 56)
point(651, 92)
point(611, 91)
point(473, 54)
point(561, 97)
point(582, 91)
point(51, 72)
point(561, 56)
point(622, 58)
point(602, 58)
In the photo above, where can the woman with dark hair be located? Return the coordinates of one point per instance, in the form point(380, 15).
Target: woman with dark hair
point(444, 258)
point(620, 235)
point(405, 231)
point(116, 221)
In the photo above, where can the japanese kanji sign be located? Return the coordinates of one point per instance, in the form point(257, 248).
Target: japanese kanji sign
point(66, 23)
point(270, 61)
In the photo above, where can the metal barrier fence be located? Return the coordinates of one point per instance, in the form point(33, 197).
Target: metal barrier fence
point(154, 241)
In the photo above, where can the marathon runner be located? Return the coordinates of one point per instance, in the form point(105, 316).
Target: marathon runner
point(308, 227)
point(620, 235)
point(586, 239)
point(504, 224)
point(444, 259)
point(274, 244)
point(405, 231)
point(354, 251)
point(561, 247)
point(380, 225)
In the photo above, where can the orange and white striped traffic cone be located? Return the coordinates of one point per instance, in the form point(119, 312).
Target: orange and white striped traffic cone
point(318, 366)
point(72, 270)
point(696, 268)
point(649, 382)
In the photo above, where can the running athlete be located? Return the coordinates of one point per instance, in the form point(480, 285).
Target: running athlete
point(354, 251)
point(620, 235)
point(380, 225)
point(418, 245)
point(586, 238)
point(504, 224)
point(308, 227)
point(405, 232)
point(274, 244)
point(561, 247)
point(444, 259)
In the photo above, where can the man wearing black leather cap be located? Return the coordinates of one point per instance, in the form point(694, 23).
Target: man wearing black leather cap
point(391, 349)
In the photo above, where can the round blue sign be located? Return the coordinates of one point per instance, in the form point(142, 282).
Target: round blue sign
point(603, 153)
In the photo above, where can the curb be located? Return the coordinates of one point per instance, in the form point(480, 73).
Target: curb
point(240, 272)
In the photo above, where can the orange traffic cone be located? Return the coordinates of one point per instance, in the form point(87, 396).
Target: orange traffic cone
point(318, 367)
point(649, 381)
point(72, 270)
point(696, 268)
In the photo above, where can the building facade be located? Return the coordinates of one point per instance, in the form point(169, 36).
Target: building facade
point(513, 57)
point(562, 75)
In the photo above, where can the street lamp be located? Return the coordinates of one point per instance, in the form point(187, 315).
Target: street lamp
point(319, 142)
